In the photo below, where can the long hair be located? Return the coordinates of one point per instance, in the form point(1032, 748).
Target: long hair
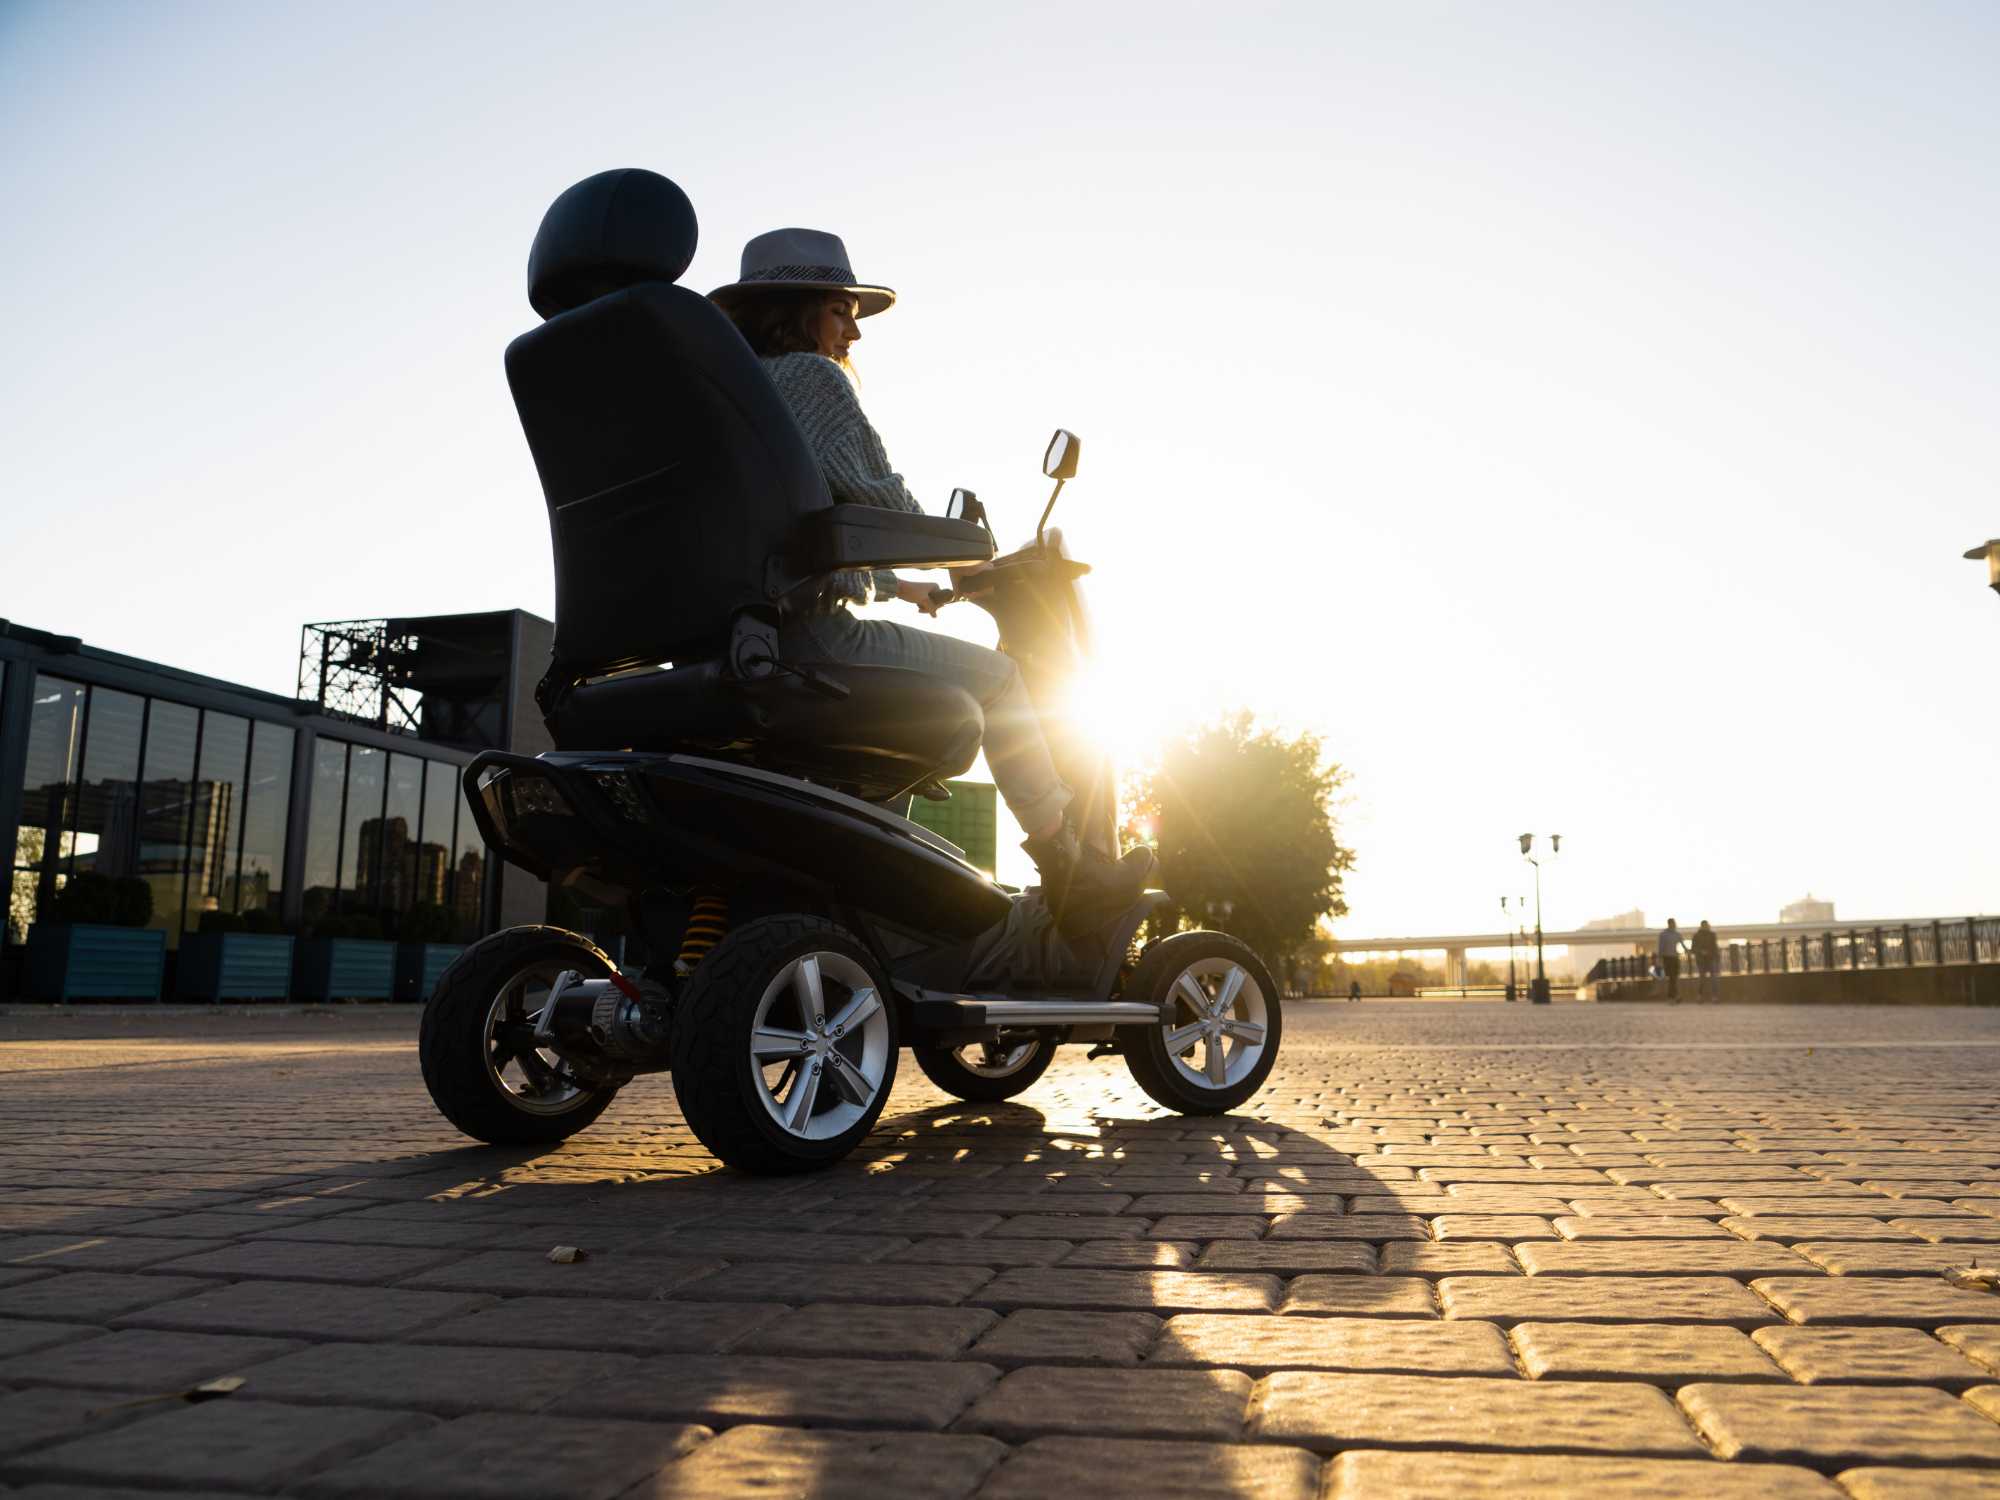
point(780, 321)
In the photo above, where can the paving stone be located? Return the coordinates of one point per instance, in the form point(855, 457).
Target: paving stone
point(1332, 1412)
point(70, 1252)
point(1061, 1401)
point(1290, 1258)
point(779, 1281)
point(1136, 1469)
point(348, 1230)
point(1968, 1230)
point(782, 1462)
point(92, 1296)
point(771, 1245)
point(1788, 1230)
point(1145, 1291)
point(1921, 1484)
point(1977, 1342)
point(142, 1360)
point(1452, 1476)
point(622, 1327)
point(1430, 1259)
point(1871, 1259)
point(1985, 1398)
point(844, 1329)
point(1391, 1346)
point(1871, 1206)
point(1868, 1356)
point(1492, 1227)
point(33, 1419)
point(285, 1260)
point(1724, 1257)
point(1361, 1296)
point(23, 1335)
point(1604, 1299)
point(722, 1391)
point(1045, 1336)
point(1839, 1427)
point(438, 1378)
point(1632, 1226)
point(503, 1457)
point(1132, 1254)
point(291, 1309)
point(1876, 1300)
point(1060, 1227)
point(1374, 1227)
point(1664, 1354)
point(955, 1250)
point(233, 1444)
point(1207, 1227)
point(511, 1273)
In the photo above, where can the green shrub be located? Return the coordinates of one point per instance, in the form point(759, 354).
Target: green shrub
point(115, 902)
point(262, 919)
point(222, 921)
point(131, 902)
point(359, 924)
point(426, 922)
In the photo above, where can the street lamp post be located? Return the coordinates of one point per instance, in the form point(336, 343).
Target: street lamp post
point(1538, 989)
point(1511, 990)
point(1991, 552)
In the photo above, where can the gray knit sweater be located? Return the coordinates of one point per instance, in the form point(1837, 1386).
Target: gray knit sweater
point(850, 453)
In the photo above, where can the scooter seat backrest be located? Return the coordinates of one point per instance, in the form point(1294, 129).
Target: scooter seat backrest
point(673, 472)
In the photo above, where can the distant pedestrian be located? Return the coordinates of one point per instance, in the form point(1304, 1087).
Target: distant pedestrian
point(1707, 961)
point(1353, 990)
point(1671, 943)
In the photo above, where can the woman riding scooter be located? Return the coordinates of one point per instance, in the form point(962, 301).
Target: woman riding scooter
point(799, 306)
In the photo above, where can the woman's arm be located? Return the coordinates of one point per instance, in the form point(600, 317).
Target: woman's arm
point(849, 450)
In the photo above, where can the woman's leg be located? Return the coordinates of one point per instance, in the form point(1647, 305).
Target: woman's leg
point(1016, 752)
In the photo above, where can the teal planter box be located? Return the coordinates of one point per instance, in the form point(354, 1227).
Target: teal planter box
point(344, 969)
point(233, 966)
point(85, 961)
point(419, 966)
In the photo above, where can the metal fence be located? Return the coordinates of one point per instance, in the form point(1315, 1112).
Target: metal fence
point(1906, 945)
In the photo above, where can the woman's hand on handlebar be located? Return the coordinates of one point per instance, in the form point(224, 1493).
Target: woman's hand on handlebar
point(923, 595)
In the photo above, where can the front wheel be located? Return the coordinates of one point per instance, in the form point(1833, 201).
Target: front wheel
point(986, 1072)
point(785, 1047)
point(478, 1048)
point(1220, 1023)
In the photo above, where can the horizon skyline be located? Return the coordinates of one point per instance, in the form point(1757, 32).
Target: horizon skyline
point(1576, 416)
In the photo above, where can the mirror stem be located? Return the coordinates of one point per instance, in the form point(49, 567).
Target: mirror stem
point(1039, 525)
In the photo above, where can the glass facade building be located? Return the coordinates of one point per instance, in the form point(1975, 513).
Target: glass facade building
point(222, 798)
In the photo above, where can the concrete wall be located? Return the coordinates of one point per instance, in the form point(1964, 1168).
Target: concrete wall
point(1953, 984)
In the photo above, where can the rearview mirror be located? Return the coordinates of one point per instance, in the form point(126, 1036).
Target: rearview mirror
point(1060, 461)
point(962, 506)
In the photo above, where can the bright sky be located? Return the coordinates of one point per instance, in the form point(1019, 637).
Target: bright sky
point(1575, 412)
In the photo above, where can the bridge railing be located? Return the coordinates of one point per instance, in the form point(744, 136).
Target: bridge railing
point(1906, 945)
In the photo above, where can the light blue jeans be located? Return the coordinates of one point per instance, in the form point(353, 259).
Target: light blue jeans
point(1016, 752)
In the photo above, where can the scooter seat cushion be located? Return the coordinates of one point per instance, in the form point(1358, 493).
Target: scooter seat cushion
point(895, 729)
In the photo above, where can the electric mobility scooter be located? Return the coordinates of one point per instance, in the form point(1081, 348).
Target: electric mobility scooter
point(742, 807)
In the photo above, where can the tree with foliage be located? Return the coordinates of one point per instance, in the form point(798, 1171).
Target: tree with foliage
point(1243, 820)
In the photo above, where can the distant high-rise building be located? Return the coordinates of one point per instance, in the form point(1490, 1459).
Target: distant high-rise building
point(1808, 910)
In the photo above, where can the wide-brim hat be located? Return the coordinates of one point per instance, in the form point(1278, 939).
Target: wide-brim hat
point(802, 260)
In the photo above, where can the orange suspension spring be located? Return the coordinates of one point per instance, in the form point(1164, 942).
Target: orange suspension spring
point(706, 925)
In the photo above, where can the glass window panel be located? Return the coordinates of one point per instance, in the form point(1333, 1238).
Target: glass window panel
point(267, 803)
point(322, 872)
point(218, 808)
point(361, 843)
point(55, 731)
point(435, 845)
point(166, 798)
point(107, 796)
point(400, 816)
point(468, 880)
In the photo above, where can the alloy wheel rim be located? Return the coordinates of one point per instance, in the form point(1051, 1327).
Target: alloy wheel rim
point(996, 1059)
point(819, 1045)
point(1215, 1023)
point(533, 1079)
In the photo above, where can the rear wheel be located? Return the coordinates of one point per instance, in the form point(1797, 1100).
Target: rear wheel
point(986, 1072)
point(785, 1046)
point(1220, 1023)
point(477, 1043)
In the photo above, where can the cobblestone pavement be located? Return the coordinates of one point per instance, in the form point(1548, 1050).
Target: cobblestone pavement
point(1449, 1250)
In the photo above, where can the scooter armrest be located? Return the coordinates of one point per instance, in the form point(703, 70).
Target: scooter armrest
point(869, 536)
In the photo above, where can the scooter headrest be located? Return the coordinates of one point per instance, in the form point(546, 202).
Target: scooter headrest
point(606, 233)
